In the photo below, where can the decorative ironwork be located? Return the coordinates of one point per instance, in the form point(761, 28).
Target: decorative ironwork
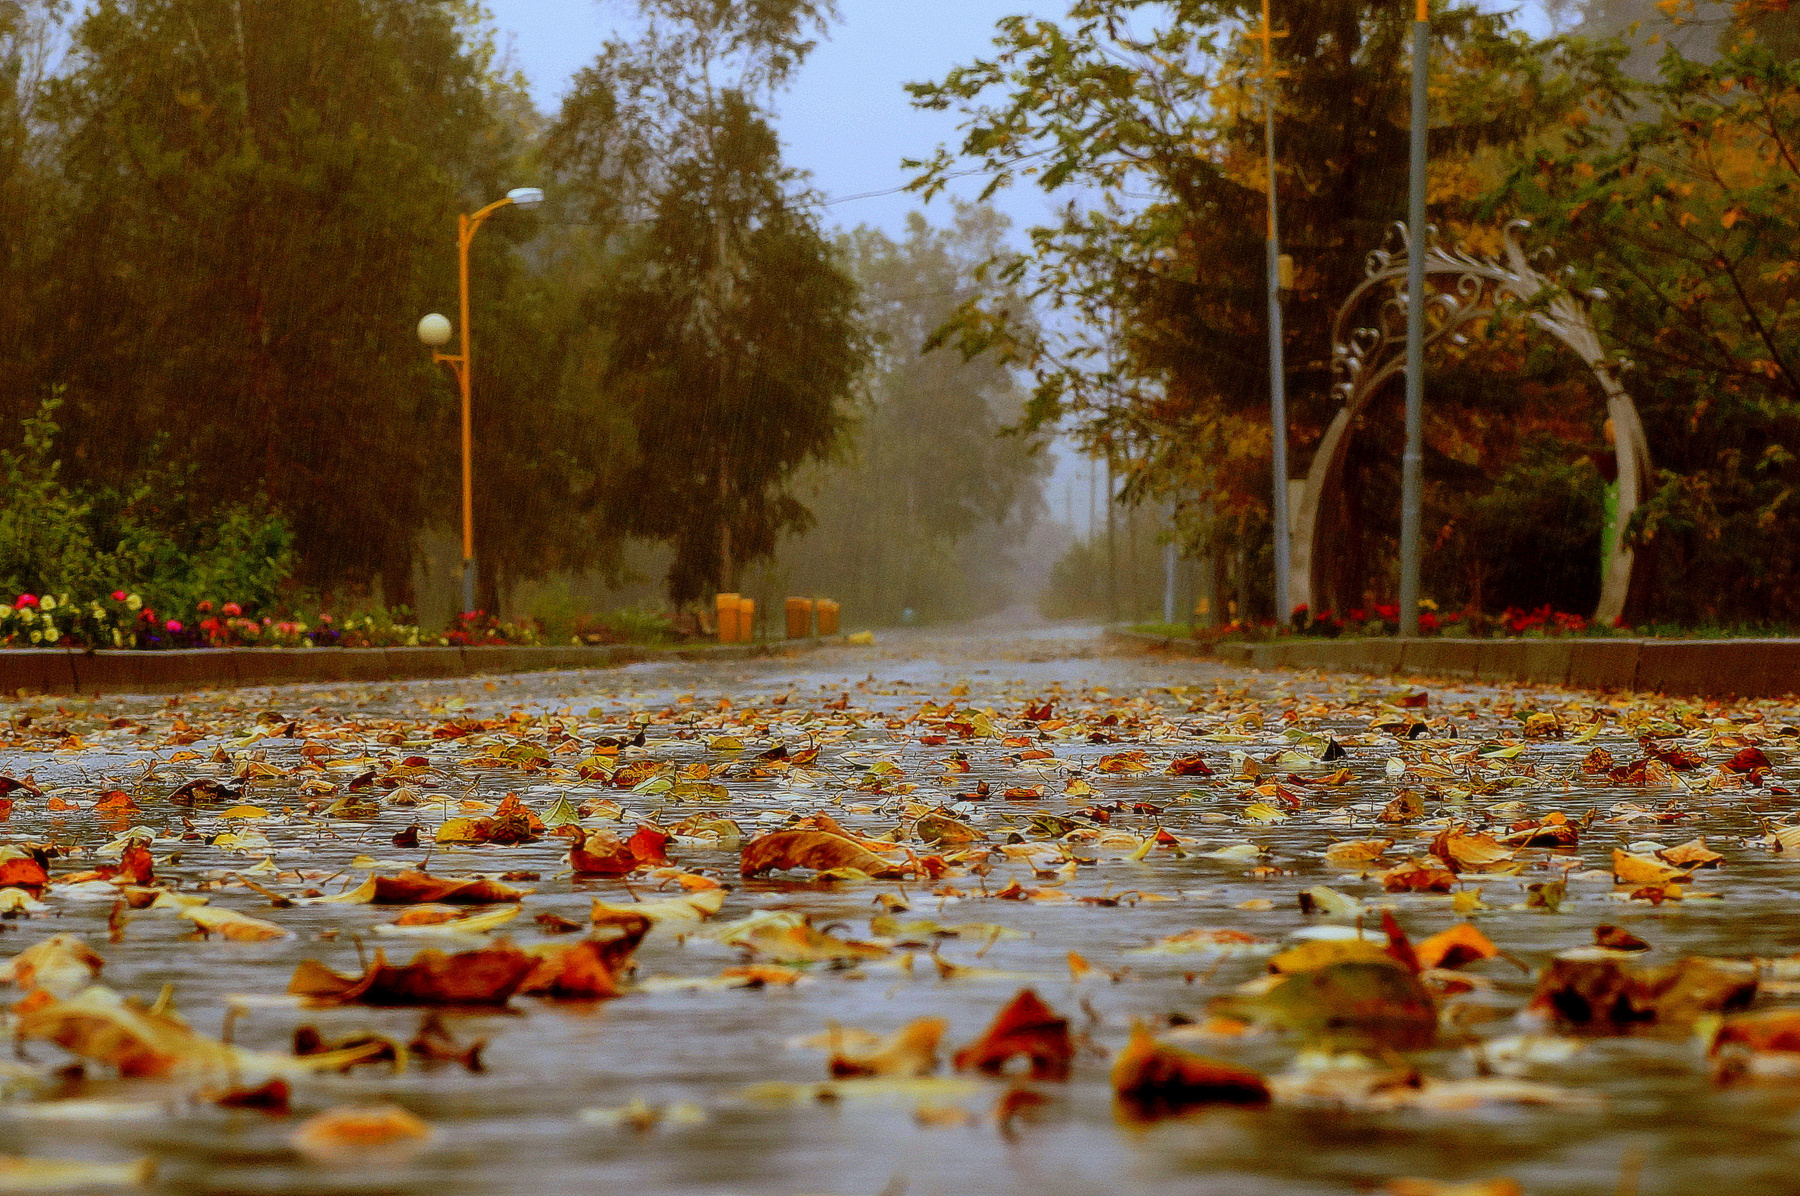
point(1368, 339)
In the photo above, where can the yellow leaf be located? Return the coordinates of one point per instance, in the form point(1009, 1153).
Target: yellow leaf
point(229, 924)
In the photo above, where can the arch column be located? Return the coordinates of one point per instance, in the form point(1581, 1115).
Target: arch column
point(1368, 343)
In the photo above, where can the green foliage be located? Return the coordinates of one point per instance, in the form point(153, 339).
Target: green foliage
point(1685, 218)
point(640, 624)
point(144, 538)
point(732, 340)
point(252, 204)
point(1149, 118)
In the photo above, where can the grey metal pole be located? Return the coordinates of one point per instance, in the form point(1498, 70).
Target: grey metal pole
point(1277, 369)
point(1412, 462)
point(1169, 565)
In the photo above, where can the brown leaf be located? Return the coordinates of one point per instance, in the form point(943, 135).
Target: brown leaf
point(1026, 1026)
point(1404, 807)
point(23, 872)
point(1614, 938)
point(1750, 759)
point(486, 976)
point(415, 888)
point(1418, 876)
point(600, 853)
point(1462, 852)
point(1692, 854)
point(1554, 831)
point(1765, 1030)
point(1190, 766)
point(271, 1097)
point(909, 1051)
point(1153, 1080)
point(1597, 761)
point(591, 968)
point(821, 851)
point(1598, 993)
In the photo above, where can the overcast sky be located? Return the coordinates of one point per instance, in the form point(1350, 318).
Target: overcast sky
point(846, 119)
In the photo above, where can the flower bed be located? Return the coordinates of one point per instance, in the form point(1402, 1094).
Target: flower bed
point(123, 620)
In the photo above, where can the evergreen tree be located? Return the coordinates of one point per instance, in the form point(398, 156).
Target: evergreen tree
point(731, 326)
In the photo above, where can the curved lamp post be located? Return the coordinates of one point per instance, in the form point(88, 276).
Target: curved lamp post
point(435, 330)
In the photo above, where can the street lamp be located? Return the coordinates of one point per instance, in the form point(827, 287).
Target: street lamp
point(435, 330)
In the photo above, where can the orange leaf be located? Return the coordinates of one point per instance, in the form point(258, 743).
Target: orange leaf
point(1026, 1026)
point(1154, 1080)
point(591, 968)
point(818, 850)
point(601, 854)
point(487, 976)
point(649, 845)
point(1454, 947)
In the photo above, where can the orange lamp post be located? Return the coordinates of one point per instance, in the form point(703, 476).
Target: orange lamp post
point(435, 330)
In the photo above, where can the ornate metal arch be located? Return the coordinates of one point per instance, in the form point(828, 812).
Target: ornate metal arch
point(1368, 340)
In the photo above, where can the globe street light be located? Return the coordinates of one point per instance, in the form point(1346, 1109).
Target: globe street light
point(434, 330)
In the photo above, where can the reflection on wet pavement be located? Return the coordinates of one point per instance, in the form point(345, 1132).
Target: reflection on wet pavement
point(906, 728)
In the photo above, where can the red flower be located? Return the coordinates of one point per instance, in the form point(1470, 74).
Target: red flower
point(203, 607)
point(232, 608)
point(1428, 622)
point(26, 600)
point(119, 595)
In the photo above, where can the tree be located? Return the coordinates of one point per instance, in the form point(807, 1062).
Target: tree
point(1685, 218)
point(257, 196)
point(932, 493)
point(1150, 120)
point(732, 338)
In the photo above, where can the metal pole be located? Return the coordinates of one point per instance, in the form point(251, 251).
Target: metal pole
point(1112, 556)
point(1412, 462)
point(1277, 369)
point(1169, 570)
point(465, 232)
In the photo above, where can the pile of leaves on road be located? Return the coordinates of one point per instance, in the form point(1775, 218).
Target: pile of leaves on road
point(1451, 881)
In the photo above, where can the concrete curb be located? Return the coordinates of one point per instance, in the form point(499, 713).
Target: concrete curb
point(66, 671)
point(1743, 668)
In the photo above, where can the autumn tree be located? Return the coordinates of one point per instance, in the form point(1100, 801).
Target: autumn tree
point(1148, 119)
point(732, 338)
point(1685, 218)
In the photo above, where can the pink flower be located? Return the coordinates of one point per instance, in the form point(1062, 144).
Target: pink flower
point(118, 595)
point(172, 625)
point(26, 600)
point(232, 608)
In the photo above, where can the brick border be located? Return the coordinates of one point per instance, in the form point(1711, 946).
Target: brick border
point(1745, 668)
point(67, 671)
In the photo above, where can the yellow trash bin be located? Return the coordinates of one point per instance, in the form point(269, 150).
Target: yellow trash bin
point(746, 620)
point(799, 618)
point(728, 618)
point(828, 616)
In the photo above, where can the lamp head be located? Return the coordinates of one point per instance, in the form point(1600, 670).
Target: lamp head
point(434, 330)
point(526, 197)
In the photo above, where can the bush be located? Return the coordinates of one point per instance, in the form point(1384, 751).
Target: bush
point(149, 539)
